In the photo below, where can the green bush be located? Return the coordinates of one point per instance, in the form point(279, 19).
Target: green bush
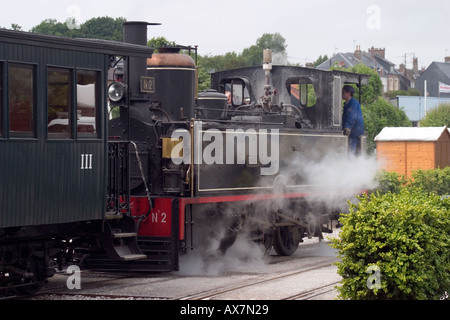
point(435, 181)
point(395, 246)
point(389, 182)
point(432, 181)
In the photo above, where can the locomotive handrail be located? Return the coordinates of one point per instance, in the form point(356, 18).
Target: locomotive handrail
point(118, 199)
point(245, 122)
point(141, 169)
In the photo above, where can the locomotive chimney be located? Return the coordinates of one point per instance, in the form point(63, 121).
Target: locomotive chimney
point(135, 32)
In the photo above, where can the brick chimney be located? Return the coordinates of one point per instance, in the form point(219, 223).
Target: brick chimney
point(447, 59)
point(380, 51)
point(358, 53)
point(415, 65)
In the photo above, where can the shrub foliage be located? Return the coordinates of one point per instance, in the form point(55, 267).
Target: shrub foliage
point(396, 245)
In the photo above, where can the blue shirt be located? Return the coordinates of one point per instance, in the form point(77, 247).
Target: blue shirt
point(352, 118)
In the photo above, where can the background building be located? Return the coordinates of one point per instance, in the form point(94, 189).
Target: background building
point(437, 72)
point(391, 78)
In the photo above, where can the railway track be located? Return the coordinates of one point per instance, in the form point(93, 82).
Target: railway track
point(314, 293)
point(300, 277)
point(216, 293)
point(212, 294)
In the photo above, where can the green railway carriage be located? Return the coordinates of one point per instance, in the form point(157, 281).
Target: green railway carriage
point(53, 144)
point(53, 137)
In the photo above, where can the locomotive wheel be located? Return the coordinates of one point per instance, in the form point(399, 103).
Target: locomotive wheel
point(227, 242)
point(286, 240)
point(30, 289)
point(312, 226)
point(268, 242)
point(230, 235)
point(40, 268)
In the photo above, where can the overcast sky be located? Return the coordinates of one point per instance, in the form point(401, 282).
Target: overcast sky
point(405, 28)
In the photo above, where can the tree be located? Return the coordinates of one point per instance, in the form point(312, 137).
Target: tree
point(208, 64)
point(53, 27)
point(273, 41)
point(253, 55)
point(371, 91)
point(105, 28)
point(158, 42)
point(111, 29)
point(16, 27)
point(320, 60)
point(438, 117)
point(380, 114)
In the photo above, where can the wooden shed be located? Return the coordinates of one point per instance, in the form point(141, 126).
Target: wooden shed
point(406, 149)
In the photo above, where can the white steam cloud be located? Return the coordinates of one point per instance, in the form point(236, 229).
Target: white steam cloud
point(342, 175)
point(244, 255)
point(339, 177)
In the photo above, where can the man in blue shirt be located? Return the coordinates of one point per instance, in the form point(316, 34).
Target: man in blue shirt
point(352, 120)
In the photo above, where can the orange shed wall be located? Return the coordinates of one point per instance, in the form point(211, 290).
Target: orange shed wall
point(392, 155)
point(420, 155)
point(405, 157)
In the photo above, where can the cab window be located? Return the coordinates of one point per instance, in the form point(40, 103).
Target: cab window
point(236, 92)
point(302, 93)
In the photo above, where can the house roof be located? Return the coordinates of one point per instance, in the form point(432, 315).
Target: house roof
point(411, 133)
point(444, 67)
point(349, 60)
point(435, 73)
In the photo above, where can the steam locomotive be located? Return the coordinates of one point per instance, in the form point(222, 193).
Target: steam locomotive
point(110, 158)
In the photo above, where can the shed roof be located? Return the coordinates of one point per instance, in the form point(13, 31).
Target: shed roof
point(411, 133)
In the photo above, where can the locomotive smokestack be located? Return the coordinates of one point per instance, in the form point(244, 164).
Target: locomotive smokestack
point(135, 32)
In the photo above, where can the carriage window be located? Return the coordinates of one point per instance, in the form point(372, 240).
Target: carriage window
point(88, 103)
point(59, 101)
point(21, 101)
